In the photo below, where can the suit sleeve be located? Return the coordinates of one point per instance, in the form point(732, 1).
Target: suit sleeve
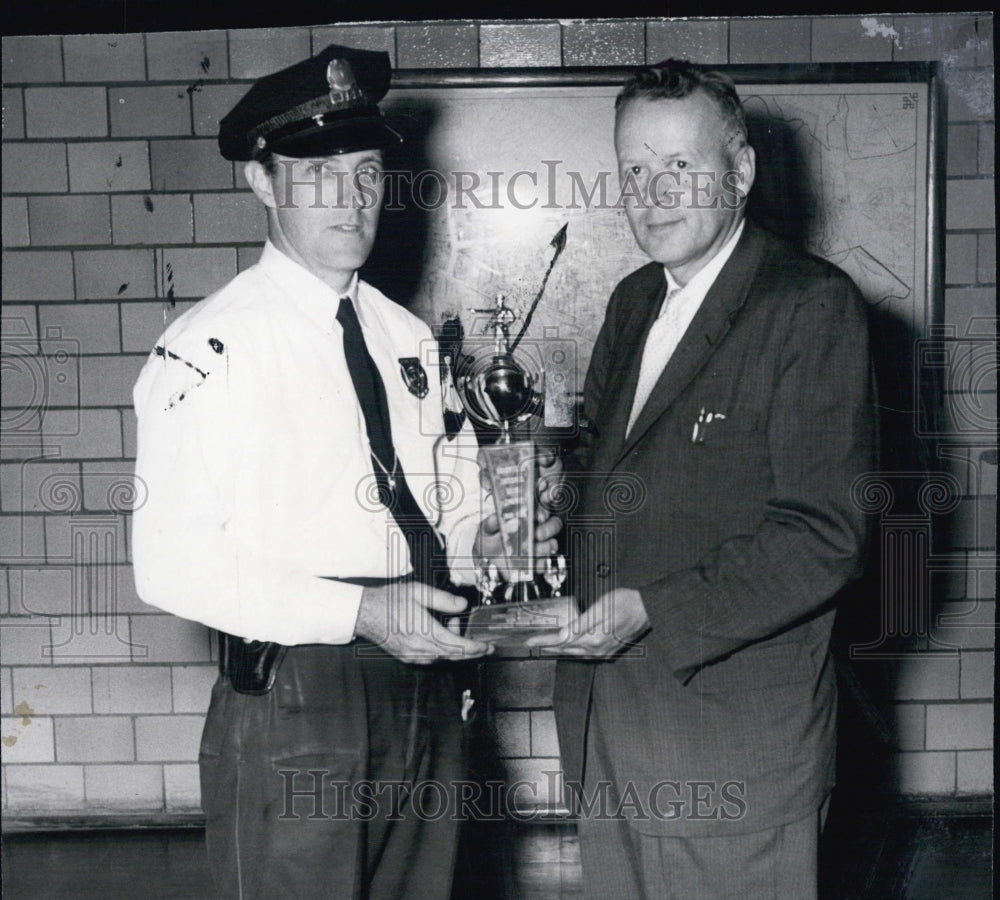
point(810, 538)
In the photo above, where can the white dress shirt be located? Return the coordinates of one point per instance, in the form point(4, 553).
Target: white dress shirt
point(676, 314)
point(254, 459)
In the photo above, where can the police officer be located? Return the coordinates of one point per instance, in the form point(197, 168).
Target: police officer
point(304, 500)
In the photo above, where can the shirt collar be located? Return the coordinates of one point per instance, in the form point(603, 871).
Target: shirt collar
point(310, 295)
point(701, 283)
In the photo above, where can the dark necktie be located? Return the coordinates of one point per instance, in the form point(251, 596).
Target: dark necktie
point(427, 556)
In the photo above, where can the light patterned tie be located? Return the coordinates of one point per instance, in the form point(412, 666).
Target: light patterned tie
point(661, 342)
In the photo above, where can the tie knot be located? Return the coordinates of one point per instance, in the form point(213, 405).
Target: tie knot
point(345, 312)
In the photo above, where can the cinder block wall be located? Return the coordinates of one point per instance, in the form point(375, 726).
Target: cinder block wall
point(118, 214)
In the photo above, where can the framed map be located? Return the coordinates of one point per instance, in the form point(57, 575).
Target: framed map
point(496, 162)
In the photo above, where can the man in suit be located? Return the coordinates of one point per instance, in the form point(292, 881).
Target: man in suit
point(729, 394)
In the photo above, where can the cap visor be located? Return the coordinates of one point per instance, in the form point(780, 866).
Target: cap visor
point(347, 136)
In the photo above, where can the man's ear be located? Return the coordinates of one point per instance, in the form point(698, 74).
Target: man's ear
point(260, 183)
point(746, 165)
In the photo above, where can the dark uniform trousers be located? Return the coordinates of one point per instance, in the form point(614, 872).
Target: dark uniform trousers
point(336, 783)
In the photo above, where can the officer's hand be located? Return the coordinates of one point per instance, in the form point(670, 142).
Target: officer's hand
point(600, 631)
point(396, 617)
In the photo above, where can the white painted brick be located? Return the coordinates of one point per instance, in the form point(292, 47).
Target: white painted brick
point(511, 734)
point(88, 739)
point(44, 788)
point(52, 690)
point(66, 112)
point(924, 773)
point(43, 592)
point(98, 640)
point(983, 581)
point(115, 274)
point(131, 787)
point(83, 434)
point(194, 273)
point(960, 726)
point(977, 674)
point(540, 782)
point(168, 639)
point(109, 166)
point(173, 738)
point(544, 741)
point(258, 51)
point(908, 725)
point(22, 539)
point(104, 57)
point(143, 323)
point(86, 540)
point(969, 626)
point(27, 739)
point(6, 691)
point(24, 640)
point(193, 687)
point(37, 486)
point(927, 676)
point(975, 772)
point(230, 218)
point(132, 689)
point(182, 786)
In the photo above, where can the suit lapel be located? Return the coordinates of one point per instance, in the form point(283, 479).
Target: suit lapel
point(642, 313)
point(707, 329)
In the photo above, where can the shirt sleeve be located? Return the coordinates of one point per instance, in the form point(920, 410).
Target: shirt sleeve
point(186, 560)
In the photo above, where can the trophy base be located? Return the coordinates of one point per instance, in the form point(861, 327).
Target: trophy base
point(511, 471)
point(509, 625)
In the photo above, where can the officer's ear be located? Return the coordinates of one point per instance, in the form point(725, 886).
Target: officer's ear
point(261, 183)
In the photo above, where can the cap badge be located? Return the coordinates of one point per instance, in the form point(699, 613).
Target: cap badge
point(340, 77)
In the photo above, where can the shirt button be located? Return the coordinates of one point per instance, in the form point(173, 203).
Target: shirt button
point(603, 570)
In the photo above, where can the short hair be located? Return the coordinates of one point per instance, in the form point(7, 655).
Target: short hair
point(675, 79)
point(267, 159)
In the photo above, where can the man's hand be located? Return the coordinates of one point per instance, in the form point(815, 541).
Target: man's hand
point(550, 476)
point(396, 617)
point(600, 631)
point(489, 542)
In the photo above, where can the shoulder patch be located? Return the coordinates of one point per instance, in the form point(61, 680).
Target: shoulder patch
point(179, 395)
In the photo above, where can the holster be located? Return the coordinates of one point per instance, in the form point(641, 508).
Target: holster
point(251, 667)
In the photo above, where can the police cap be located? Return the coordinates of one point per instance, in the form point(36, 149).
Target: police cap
point(322, 106)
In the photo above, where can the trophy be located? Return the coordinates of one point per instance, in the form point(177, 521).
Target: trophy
point(504, 392)
point(501, 392)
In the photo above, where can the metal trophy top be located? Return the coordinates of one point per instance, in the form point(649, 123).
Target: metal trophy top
point(499, 390)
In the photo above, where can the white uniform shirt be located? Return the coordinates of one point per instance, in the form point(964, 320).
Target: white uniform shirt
point(254, 459)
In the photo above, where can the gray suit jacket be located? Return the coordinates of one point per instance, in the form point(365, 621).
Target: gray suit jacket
point(737, 535)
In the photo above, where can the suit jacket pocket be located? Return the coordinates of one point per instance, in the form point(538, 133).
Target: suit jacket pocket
point(755, 668)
